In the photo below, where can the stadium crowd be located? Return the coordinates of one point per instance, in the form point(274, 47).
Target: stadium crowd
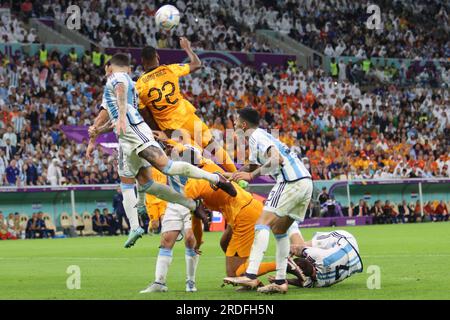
point(210, 25)
point(409, 29)
point(388, 133)
point(382, 212)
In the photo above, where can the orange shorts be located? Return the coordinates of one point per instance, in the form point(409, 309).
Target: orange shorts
point(197, 130)
point(244, 230)
point(155, 209)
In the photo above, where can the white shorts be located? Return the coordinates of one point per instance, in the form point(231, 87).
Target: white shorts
point(176, 218)
point(137, 138)
point(327, 240)
point(290, 199)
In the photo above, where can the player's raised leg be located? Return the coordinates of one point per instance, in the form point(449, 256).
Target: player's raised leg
point(160, 161)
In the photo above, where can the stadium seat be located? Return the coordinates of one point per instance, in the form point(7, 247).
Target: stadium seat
point(87, 221)
point(49, 222)
point(65, 221)
point(23, 219)
point(79, 225)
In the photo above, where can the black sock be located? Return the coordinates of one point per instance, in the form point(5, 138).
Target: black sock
point(251, 276)
point(280, 282)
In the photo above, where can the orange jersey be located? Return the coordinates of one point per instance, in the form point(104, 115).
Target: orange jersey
point(218, 200)
point(159, 90)
point(155, 206)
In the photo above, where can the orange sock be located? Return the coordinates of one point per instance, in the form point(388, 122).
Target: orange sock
point(222, 156)
point(264, 267)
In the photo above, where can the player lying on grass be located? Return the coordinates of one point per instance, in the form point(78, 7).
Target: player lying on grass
point(328, 258)
point(163, 106)
point(287, 202)
point(138, 148)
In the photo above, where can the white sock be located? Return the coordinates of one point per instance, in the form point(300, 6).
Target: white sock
point(259, 248)
point(180, 168)
point(191, 263)
point(166, 193)
point(282, 254)
point(162, 265)
point(129, 203)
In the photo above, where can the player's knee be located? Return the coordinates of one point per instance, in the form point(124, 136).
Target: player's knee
point(166, 241)
point(190, 240)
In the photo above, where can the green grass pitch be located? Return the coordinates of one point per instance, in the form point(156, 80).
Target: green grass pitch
point(414, 261)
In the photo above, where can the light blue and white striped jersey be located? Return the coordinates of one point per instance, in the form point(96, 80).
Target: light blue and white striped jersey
point(335, 256)
point(292, 169)
point(178, 182)
point(110, 100)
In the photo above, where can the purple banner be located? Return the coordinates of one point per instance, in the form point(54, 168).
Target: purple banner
point(168, 56)
point(96, 187)
point(107, 141)
point(336, 222)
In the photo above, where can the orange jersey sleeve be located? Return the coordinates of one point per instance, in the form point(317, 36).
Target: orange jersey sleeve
point(159, 90)
point(216, 199)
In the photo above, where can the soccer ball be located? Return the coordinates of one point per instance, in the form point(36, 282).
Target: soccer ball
point(167, 17)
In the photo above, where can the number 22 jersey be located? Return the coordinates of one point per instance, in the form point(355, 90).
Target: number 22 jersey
point(159, 90)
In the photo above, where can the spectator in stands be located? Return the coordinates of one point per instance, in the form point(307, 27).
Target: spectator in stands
point(428, 212)
point(110, 221)
point(120, 211)
point(332, 208)
point(377, 213)
point(12, 227)
point(30, 230)
point(417, 212)
point(361, 209)
point(12, 174)
point(40, 227)
point(3, 165)
point(54, 173)
point(404, 213)
point(4, 234)
point(323, 196)
point(99, 223)
point(441, 211)
point(20, 226)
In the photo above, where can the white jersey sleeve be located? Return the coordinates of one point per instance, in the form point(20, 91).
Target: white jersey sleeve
point(259, 144)
point(292, 168)
point(110, 99)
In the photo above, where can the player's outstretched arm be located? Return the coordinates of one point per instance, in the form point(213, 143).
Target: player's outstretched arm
point(195, 63)
point(101, 120)
point(121, 124)
point(275, 160)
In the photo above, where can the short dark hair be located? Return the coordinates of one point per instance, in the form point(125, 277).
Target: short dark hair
point(120, 59)
point(250, 115)
point(305, 265)
point(148, 53)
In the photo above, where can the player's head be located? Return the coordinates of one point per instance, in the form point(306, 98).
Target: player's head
point(248, 118)
point(306, 266)
point(150, 57)
point(118, 63)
